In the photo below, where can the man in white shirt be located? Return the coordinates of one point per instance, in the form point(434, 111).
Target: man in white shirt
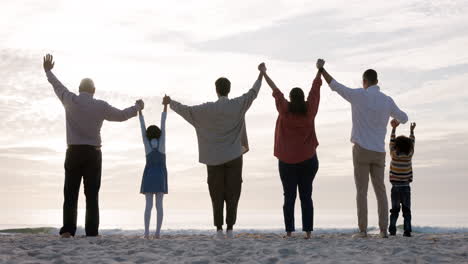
point(84, 117)
point(371, 110)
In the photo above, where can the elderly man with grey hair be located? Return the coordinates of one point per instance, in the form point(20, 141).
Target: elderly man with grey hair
point(84, 117)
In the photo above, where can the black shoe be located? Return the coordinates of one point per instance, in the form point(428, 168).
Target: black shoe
point(407, 234)
point(393, 233)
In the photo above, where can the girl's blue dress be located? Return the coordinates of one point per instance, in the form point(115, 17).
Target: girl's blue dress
point(154, 178)
point(155, 175)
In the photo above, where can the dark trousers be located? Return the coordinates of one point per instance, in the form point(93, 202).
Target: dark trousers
point(225, 184)
point(82, 161)
point(294, 176)
point(401, 198)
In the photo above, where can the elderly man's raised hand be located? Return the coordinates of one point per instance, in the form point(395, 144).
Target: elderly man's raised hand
point(48, 62)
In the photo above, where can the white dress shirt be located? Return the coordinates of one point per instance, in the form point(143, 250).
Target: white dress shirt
point(85, 115)
point(371, 110)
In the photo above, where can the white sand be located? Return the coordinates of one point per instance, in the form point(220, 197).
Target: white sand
point(245, 248)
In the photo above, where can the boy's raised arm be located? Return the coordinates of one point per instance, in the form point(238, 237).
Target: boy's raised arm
point(412, 137)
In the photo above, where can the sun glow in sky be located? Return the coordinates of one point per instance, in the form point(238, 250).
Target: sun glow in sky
point(146, 49)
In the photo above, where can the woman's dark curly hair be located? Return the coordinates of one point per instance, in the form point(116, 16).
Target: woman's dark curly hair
point(403, 144)
point(153, 132)
point(297, 105)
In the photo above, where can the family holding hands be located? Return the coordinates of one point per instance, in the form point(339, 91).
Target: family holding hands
point(222, 141)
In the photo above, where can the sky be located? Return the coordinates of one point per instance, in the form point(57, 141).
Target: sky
point(146, 49)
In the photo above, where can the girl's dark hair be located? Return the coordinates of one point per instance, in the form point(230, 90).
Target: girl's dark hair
point(153, 132)
point(297, 105)
point(403, 144)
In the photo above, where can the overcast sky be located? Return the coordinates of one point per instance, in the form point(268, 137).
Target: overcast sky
point(145, 49)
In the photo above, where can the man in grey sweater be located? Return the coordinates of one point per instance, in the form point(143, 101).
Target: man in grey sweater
point(222, 140)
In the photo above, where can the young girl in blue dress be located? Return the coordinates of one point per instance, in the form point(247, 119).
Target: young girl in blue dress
point(154, 181)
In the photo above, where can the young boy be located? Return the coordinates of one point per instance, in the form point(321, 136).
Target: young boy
point(401, 174)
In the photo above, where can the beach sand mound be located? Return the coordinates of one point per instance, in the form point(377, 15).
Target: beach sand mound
point(245, 248)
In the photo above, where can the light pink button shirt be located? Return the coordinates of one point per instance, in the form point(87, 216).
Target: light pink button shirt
point(85, 115)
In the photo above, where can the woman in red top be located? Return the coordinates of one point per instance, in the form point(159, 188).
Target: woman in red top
point(295, 148)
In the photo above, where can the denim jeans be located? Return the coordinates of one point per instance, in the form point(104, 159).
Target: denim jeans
point(298, 176)
point(401, 198)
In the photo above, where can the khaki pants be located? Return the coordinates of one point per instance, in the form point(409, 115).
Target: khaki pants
point(225, 183)
point(370, 162)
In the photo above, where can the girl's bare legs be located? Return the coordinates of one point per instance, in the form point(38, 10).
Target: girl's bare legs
point(149, 206)
point(159, 214)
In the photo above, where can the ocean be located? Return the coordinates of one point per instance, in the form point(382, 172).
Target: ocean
point(130, 222)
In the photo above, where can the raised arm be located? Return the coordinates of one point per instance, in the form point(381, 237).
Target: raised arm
point(162, 139)
point(146, 142)
point(114, 114)
point(350, 95)
point(247, 98)
point(64, 95)
point(185, 111)
point(280, 102)
point(397, 114)
point(313, 99)
point(263, 70)
point(394, 123)
point(412, 137)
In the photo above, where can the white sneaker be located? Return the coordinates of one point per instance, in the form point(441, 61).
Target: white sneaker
point(229, 234)
point(219, 234)
point(360, 235)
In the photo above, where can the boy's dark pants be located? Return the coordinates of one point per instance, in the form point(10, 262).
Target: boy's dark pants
point(82, 161)
point(401, 195)
point(225, 184)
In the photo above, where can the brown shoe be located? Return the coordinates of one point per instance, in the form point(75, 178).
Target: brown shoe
point(308, 235)
point(66, 235)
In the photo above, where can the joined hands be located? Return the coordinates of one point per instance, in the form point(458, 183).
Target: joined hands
point(140, 104)
point(320, 63)
point(262, 67)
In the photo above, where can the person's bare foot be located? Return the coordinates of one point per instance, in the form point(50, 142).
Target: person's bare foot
point(361, 234)
point(308, 235)
point(66, 235)
point(288, 235)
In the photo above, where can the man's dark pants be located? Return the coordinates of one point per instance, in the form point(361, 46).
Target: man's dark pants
point(293, 177)
point(82, 161)
point(225, 184)
point(401, 195)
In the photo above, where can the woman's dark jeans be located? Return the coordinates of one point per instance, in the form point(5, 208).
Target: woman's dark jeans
point(294, 176)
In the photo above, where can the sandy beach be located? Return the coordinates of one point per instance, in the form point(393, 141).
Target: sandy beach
point(245, 248)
